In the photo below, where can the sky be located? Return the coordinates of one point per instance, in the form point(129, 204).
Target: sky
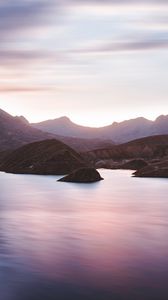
point(93, 61)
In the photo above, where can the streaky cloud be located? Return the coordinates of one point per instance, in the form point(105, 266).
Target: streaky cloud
point(23, 89)
point(138, 45)
point(20, 14)
point(121, 2)
point(28, 57)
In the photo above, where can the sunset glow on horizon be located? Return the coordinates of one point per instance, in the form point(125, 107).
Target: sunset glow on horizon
point(95, 62)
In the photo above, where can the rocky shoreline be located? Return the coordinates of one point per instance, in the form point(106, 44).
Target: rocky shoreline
point(142, 168)
point(147, 157)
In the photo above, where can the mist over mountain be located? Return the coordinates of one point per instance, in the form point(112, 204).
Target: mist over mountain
point(118, 132)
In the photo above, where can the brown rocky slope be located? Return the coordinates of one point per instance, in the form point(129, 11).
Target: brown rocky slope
point(147, 148)
point(49, 157)
point(159, 169)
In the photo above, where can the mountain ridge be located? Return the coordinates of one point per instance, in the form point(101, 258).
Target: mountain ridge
point(119, 132)
point(16, 131)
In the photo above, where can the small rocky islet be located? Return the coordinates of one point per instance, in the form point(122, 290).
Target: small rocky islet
point(83, 175)
point(50, 157)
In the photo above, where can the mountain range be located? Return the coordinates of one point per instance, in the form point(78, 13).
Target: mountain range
point(117, 132)
point(16, 132)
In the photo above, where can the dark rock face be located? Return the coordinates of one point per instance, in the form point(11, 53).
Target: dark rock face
point(154, 170)
point(83, 175)
point(50, 157)
point(134, 164)
point(148, 148)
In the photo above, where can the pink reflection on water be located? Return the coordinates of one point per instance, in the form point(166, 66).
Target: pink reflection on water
point(111, 237)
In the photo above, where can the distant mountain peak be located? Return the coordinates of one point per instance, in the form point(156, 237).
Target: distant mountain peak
point(119, 132)
point(22, 119)
point(161, 118)
point(16, 131)
point(64, 119)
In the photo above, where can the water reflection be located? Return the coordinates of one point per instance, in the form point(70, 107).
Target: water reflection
point(67, 241)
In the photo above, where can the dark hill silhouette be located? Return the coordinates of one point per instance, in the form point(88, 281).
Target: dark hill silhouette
point(50, 157)
point(118, 132)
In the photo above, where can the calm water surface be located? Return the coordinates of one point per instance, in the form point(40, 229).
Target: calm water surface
point(107, 240)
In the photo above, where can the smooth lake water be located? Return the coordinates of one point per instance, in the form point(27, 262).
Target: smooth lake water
point(107, 240)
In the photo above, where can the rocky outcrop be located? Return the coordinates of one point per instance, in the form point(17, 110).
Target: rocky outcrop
point(127, 164)
point(50, 157)
point(154, 170)
point(83, 175)
point(148, 148)
point(134, 164)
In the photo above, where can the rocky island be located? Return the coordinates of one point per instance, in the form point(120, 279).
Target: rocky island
point(83, 175)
